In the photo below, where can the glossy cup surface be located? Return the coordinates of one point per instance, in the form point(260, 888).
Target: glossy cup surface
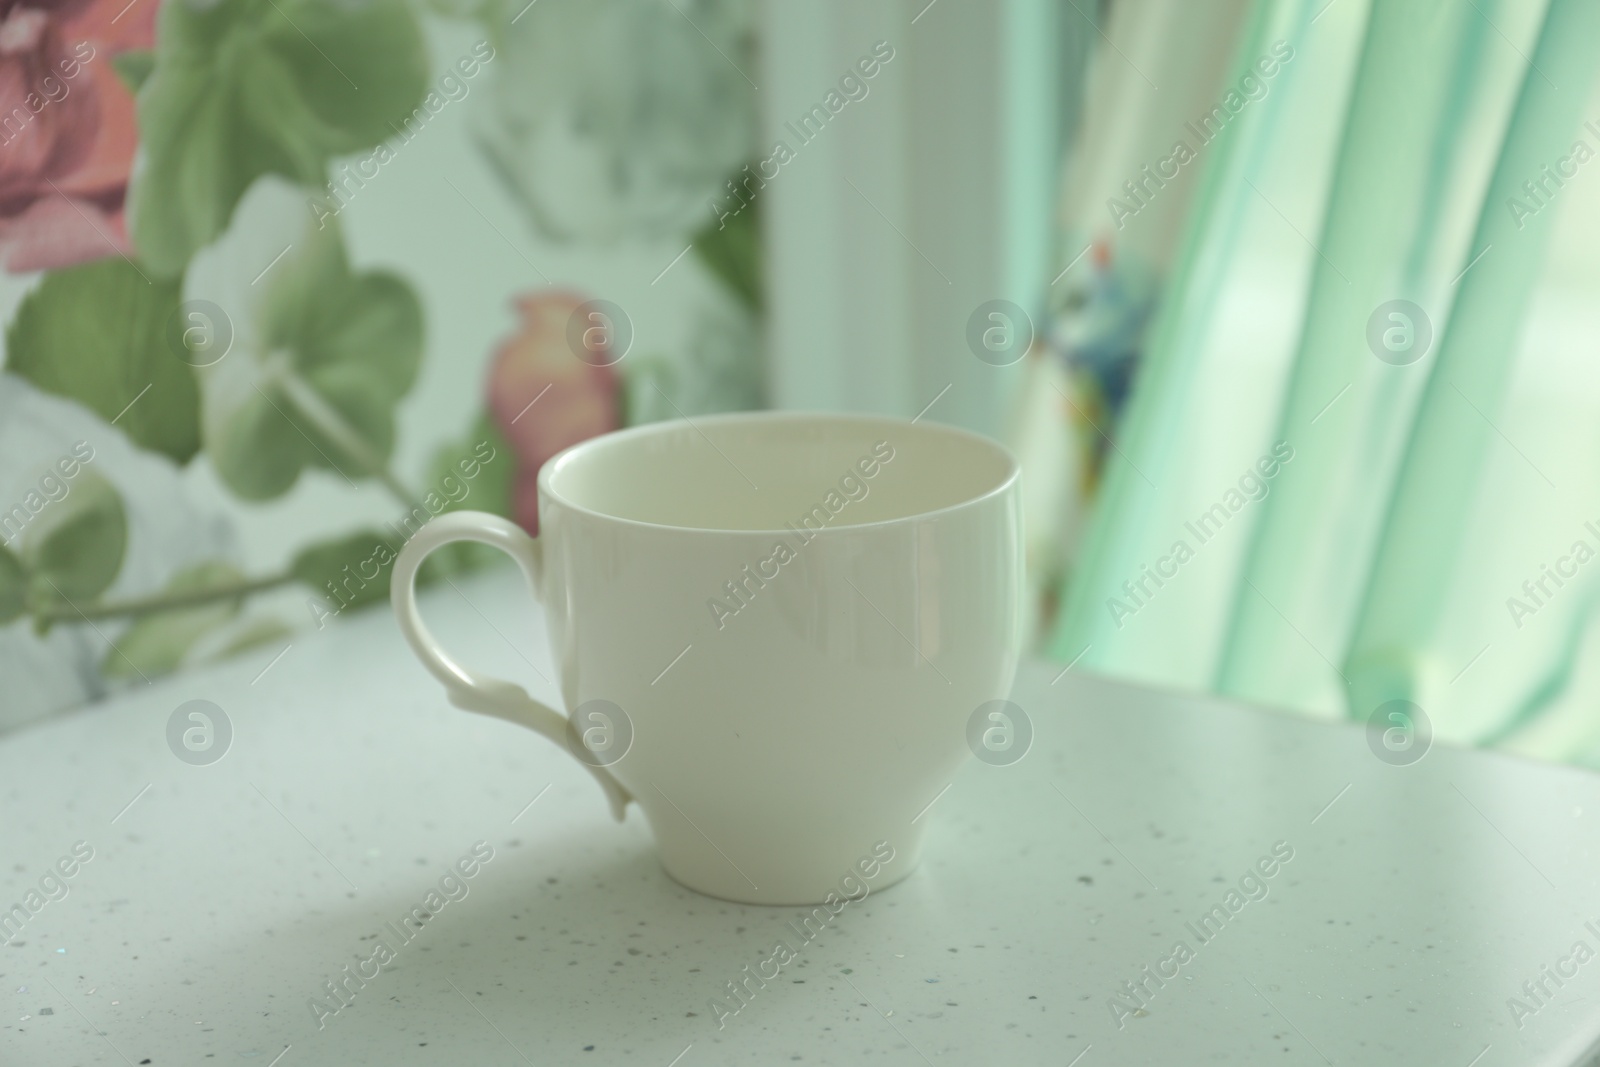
point(798, 614)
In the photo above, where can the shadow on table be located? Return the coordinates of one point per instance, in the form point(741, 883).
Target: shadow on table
point(551, 942)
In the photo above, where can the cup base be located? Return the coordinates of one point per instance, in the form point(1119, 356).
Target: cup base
point(789, 896)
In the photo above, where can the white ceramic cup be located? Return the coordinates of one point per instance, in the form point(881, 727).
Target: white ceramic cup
point(773, 628)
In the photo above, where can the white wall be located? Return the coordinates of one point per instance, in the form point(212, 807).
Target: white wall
point(914, 205)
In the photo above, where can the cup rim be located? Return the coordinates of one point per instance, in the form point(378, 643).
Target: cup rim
point(1013, 469)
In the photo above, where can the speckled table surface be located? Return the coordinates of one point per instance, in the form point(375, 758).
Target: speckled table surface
point(1428, 914)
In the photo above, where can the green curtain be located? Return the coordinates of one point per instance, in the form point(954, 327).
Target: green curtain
point(1318, 498)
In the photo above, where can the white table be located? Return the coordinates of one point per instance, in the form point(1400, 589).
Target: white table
point(1418, 900)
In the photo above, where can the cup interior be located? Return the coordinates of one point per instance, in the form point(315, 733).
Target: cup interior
point(765, 471)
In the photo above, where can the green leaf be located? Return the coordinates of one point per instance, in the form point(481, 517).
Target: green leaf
point(491, 13)
point(74, 549)
point(249, 634)
point(460, 470)
point(13, 586)
point(243, 88)
point(157, 644)
point(651, 380)
point(134, 66)
point(348, 573)
point(485, 483)
point(97, 334)
point(343, 348)
point(731, 249)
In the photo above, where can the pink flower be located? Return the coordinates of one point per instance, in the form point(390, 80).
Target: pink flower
point(576, 400)
point(67, 128)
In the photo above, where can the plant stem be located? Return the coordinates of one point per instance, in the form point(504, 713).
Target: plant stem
point(325, 417)
point(158, 602)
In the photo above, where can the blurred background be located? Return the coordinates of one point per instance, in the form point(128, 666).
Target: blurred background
point(1287, 308)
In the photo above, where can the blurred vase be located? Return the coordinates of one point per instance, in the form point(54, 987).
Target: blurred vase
point(543, 397)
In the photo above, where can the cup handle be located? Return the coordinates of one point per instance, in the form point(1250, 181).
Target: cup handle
point(467, 689)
